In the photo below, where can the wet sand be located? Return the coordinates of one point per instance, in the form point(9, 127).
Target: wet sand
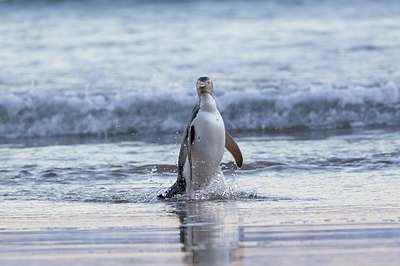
point(256, 232)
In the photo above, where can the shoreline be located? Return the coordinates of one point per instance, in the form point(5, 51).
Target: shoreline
point(339, 244)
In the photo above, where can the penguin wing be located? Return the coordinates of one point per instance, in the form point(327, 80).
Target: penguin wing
point(234, 149)
point(187, 140)
point(186, 146)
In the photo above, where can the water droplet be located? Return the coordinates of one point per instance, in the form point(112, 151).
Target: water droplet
point(154, 169)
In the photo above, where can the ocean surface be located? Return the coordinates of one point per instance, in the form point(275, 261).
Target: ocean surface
point(94, 96)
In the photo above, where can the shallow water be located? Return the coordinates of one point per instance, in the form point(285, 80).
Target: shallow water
point(308, 199)
point(354, 167)
point(94, 95)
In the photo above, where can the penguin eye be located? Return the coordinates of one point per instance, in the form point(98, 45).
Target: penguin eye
point(208, 82)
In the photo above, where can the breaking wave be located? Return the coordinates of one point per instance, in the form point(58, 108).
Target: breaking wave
point(318, 107)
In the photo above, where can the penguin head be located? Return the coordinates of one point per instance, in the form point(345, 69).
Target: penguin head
point(204, 85)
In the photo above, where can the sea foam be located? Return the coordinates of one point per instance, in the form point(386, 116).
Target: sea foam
point(315, 107)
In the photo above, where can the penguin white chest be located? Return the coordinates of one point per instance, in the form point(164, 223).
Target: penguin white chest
point(209, 140)
point(207, 148)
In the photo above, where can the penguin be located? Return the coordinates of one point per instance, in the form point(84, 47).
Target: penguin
point(203, 144)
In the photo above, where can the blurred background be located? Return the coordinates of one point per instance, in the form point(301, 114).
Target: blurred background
point(114, 67)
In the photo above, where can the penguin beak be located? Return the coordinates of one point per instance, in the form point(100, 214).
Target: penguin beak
point(202, 84)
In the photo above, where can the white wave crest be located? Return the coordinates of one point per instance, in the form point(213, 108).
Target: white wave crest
point(318, 107)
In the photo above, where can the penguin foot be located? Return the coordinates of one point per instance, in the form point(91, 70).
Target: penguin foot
point(175, 189)
point(161, 197)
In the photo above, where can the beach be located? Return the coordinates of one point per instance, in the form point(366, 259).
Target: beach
point(192, 233)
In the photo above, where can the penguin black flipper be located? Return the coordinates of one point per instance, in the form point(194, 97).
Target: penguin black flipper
point(191, 137)
point(179, 187)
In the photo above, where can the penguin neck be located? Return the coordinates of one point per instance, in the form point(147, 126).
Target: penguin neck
point(207, 102)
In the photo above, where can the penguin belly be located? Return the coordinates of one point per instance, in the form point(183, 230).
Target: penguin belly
point(207, 151)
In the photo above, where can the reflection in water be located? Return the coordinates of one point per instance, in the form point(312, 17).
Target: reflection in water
point(209, 231)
